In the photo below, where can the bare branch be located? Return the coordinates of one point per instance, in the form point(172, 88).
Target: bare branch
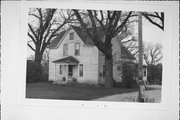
point(32, 38)
point(119, 28)
point(31, 47)
point(117, 18)
point(150, 20)
point(34, 15)
point(100, 21)
point(33, 32)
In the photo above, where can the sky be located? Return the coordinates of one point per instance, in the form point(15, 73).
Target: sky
point(151, 33)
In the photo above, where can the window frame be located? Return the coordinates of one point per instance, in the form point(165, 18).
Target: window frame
point(71, 36)
point(81, 74)
point(103, 70)
point(60, 70)
point(65, 52)
point(76, 53)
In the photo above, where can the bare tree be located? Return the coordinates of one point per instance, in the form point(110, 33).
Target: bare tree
point(156, 18)
point(152, 53)
point(111, 23)
point(44, 25)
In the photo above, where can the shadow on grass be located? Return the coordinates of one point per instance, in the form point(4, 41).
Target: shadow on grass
point(71, 92)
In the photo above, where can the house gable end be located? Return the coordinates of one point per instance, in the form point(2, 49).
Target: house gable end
point(67, 39)
point(61, 37)
point(58, 40)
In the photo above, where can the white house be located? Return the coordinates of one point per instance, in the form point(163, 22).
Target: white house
point(73, 55)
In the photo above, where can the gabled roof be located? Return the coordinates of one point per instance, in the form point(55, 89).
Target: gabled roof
point(68, 60)
point(125, 54)
point(55, 41)
point(82, 34)
point(84, 37)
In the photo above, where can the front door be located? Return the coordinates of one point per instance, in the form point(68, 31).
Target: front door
point(70, 70)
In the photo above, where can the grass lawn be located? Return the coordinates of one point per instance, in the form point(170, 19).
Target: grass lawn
point(67, 92)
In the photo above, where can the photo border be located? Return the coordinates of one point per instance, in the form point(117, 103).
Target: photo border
point(134, 6)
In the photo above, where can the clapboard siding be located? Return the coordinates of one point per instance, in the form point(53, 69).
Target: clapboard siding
point(88, 57)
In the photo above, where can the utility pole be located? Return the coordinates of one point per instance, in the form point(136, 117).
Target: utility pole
point(140, 66)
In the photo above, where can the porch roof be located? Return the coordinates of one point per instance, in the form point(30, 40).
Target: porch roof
point(68, 60)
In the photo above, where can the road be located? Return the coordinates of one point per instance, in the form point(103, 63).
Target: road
point(153, 94)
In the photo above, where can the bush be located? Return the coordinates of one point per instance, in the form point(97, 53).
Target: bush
point(129, 74)
point(35, 73)
point(155, 74)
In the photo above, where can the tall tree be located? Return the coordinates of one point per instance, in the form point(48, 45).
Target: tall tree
point(44, 24)
point(111, 23)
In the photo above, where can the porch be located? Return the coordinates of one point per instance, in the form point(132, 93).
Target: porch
point(66, 70)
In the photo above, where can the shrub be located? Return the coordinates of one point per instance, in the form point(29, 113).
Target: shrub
point(155, 74)
point(129, 74)
point(36, 73)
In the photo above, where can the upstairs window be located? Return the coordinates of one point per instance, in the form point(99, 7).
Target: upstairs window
point(71, 36)
point(77, 48)
point(81, 70)
point(65, 49)
point(144, 71)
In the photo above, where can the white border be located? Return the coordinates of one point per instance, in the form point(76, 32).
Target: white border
point(133, 6)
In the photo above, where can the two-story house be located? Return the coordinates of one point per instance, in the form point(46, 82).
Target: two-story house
point(73, 55)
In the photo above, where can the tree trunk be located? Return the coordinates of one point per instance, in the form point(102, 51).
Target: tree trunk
point(38, 57)
point(109, 71)
point(38, 69)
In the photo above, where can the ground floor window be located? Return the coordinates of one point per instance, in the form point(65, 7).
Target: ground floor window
point(103, 70)
point(60, 69)
point(81, 70)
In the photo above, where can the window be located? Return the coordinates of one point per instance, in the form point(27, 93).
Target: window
point(81, 70)
point(144, 71)
point(71, 36)
point(77, 48)
point(65, 49)
point(60, 70)
point(103, 70)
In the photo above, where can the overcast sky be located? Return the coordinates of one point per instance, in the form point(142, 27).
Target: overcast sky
point(151, 33)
